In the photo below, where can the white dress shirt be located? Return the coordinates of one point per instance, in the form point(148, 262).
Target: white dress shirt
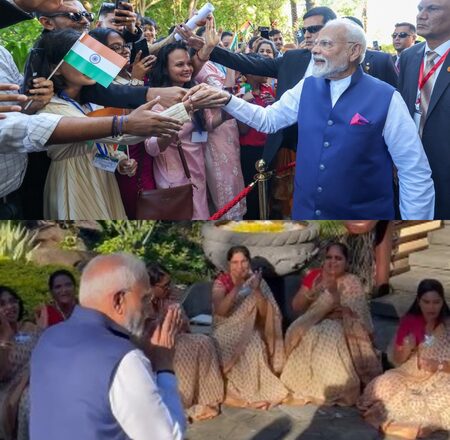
point(400, 135)
point(145, 404)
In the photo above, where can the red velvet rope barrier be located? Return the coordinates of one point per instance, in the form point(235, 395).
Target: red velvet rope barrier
point(219, 214)
point(233, 202)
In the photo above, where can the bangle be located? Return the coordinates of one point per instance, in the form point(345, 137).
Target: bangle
point(119, 133)
point(113, 127)
point(229, 99)
point(198, 56)
point(124, 124)
point(166, 371)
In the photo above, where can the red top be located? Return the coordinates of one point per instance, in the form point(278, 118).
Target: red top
point(54, 315)
point(226, 280)
point(252, 137)
point(310, 277)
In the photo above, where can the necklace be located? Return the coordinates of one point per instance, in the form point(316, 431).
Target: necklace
point(60, 311)
point(429, 340)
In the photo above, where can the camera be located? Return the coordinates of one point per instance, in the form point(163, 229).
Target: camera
point(264, 32)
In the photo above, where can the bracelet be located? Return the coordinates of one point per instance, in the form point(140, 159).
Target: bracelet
point(229, 99)
point(120, 126)
point(166, 371)
point(124, 125)
point(198, 56)
point(113, 127)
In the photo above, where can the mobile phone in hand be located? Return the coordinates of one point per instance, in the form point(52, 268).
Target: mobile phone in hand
point(34, 68)
point(264, 32)
point(118, 2)
point(142, 46)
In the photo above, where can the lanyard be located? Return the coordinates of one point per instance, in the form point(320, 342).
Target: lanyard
point(101, 148)
point(422, 80)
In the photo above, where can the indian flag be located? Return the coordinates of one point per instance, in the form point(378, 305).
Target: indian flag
point(95, 60)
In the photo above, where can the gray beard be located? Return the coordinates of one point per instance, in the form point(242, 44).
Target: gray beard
point(135, 325)
point(326, 71)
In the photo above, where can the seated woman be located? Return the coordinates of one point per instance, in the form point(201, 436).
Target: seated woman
point(17, 340)
point(80, 182)
point(174, 68)
point(413, 399)
point(196, 362)
point(328, 347)
point(62, 287)
point(247, 328)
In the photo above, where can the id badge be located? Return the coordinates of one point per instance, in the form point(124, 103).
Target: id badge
point(105, 163)
point(198, 137)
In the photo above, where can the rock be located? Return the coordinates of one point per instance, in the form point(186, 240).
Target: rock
point(44, 256)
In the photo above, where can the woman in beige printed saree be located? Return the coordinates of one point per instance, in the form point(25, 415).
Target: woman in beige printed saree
point(329, 348)
point(247, 328)
point(413, 399)
point(196, 362)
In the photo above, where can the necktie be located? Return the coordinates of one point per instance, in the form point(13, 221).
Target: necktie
point(425, 94)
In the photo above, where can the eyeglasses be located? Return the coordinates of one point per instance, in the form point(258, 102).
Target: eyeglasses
point(312, 29)
point(400, 34)
point(328, 44)
point(75, 16)
point(120, 47)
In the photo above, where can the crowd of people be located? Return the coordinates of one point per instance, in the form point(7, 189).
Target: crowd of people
point(121, 355)
point(324, 96)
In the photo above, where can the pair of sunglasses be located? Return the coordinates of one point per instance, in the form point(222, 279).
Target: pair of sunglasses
point(75, 16)
point(312, 29)
point(400, 34)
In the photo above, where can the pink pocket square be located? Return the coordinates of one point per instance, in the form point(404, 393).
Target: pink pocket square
point(359, 120)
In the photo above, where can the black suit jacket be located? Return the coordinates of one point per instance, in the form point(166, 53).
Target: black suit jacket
point(436, 132)
point(289, 70)
point(10, 14)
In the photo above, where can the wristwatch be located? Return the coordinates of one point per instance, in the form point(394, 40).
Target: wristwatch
point(136, 82)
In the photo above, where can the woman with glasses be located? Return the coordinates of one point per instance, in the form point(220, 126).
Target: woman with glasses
point(17, 340)
point(329, 346)
point(139, 173)
point(196, 362)
point(413, 400)
point(80, 182)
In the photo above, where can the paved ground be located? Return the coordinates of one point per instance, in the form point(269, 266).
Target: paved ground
point(289, 423)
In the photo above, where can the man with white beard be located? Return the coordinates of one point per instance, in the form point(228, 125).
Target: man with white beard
point(352, 129)
point(90, 381)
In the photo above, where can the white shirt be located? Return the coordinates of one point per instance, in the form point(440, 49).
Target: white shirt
point(19, 133)
point(309, 69)
point(440, 50)
point(145, 404)
point(400, 135)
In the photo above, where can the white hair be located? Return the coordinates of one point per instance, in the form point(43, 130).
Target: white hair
point(355, 33)
point(106, 274)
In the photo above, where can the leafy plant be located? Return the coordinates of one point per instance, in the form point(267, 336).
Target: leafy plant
point(16, 242)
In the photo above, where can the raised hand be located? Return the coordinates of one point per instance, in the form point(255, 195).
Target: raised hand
point(205, 96)
point(10, 97)
point(142, 66)
point(46, 6)
point(41, 94)
point(126, 17)
point(168, 96)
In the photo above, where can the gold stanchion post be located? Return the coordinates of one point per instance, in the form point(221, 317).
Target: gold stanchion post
point(263, 189)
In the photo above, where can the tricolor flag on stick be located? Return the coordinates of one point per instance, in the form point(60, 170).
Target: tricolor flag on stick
point(95, 60)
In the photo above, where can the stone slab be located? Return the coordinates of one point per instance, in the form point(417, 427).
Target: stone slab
point(440, 237)
point(408, 281)
point(436, 257)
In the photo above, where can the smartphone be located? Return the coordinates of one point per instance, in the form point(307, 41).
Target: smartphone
point(376, 46)
point(117, 3)
point(300, 36)
point(34, 68)
point(264, 32)
point(140, 45)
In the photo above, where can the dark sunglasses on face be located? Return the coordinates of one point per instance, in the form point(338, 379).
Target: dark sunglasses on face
point(312, 29)
point(400, 34)
point(75, 16)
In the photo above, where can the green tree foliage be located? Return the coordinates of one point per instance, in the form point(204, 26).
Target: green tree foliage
point(19, 39)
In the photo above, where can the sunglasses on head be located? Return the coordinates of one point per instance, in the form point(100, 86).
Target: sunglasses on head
point(312, 29)
point(75, 16)
point(400, 34)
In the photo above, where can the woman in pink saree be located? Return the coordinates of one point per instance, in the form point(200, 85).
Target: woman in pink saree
point(329, 347)
point(413, 399)
point(247, 328)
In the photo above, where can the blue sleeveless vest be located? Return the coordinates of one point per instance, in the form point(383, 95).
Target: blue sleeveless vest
point(343, 171)
point(72, 368)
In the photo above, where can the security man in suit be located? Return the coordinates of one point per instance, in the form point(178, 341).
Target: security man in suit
point(425, 86)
